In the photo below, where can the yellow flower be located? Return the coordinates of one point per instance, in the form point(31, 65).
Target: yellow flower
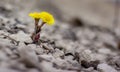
point(35, 15)
point(47, 17)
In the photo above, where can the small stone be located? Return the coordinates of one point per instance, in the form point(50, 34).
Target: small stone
point(21, 26)
point(86, 55)
point(58, 53)
point(8, 70)
point(97, 56)
point(8, 51)
point(94, 64)
point(39, 50)
point(69, 58)
point(3, 56)
point(85, 64)
point(104, 51)
point(47, 57)
point(20, 36)
point(90, 69)
point(33, 70)
point(33, 46)
point(47, 47)
point(4, 43)
point(15, 65)
point(2, 32)
point(105, 68)
point(28, 56)
point(90, 64)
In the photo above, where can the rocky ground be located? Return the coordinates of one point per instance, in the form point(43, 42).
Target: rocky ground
point(64, 48)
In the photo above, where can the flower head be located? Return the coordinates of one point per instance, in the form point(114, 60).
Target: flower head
point(35, 15)
point(47, 18)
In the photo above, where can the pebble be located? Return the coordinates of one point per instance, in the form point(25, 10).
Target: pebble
point(33, 70)
point(97, 56)
point(21, 36)
point(58, 53)
point(104, 51)
point(3, 56)
point(33, 46)
point(106, 68)
point(21, 26)
point(39, 50)
point(28, 55)
point(8, 70)
point(86, 55)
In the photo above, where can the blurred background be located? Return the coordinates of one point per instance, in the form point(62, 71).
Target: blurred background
point(96, 12)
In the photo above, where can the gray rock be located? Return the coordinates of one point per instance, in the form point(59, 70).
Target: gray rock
point(104, 51)
point(58, 53)
point(97, 56)
point(33, 70)
point(86, 55)
point(106, 68)
point(21, 26)
point(28, 56)
point(7, 70)
point(3, 56)
point(20, 36)
point(14, 64)
point(39, 50)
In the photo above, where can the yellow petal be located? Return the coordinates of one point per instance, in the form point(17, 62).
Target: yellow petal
point(35, 15)
point(47, 17)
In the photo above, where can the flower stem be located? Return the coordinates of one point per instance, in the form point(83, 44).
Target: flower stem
point(36, 22)
point(41, 25)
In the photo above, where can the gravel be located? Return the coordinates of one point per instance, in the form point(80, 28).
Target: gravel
point(63, 48)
